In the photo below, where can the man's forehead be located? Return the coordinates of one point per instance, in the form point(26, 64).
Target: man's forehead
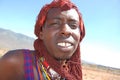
point(56, 11)
point(72, 12)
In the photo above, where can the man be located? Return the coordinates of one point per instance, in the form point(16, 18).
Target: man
point(59, 29)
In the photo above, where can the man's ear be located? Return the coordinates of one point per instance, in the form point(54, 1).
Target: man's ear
point(41, 35)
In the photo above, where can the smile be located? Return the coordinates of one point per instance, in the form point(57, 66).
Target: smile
point(64, 44)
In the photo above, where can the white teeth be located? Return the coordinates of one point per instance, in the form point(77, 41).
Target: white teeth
point(68, 44)
point(64, 44)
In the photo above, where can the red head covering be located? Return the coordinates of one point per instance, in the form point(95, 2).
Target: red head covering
point(74, 64)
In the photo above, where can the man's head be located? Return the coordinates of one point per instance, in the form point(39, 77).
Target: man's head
point(61, 33)
point(64, 39)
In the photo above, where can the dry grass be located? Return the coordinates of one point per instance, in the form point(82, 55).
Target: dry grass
point(92, 73)
point(3, 51)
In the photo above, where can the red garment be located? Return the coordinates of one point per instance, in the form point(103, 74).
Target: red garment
point(28, 68)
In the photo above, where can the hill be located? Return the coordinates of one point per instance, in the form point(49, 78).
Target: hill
point(12, 40)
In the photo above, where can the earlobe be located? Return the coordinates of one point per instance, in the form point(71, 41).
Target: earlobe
point(41, 35)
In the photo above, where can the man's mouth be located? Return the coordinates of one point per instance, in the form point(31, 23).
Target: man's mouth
point(64, 44)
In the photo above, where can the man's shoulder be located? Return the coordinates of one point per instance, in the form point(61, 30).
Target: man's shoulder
point(12, 63)
point(15, 53)
point(14, 56)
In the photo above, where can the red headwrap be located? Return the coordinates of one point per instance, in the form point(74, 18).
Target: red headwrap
point(74, 64)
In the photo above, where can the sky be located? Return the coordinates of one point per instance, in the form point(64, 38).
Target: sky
point(101, 44)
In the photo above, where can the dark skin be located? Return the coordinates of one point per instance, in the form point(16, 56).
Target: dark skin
point(12, 66)
point(64, 36)
point(62, 31)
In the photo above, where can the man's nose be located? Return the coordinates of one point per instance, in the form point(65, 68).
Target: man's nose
point(66, 30)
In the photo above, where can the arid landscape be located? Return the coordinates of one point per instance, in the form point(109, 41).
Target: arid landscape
point(3, 51)
point(97, 72)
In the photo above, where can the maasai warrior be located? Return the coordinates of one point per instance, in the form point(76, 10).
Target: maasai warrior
point(59, 29)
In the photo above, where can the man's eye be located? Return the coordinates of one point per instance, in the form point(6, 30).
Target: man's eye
point(74, 26)
point(56, 23)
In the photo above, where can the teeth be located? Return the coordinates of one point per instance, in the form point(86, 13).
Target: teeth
point(64, 44)
point(68, 44)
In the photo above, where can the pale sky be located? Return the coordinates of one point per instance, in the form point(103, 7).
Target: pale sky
point(101, 44)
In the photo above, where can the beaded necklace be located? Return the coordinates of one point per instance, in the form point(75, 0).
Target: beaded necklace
point(46, 72)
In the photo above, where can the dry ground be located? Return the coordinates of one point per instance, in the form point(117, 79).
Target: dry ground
point(3, 51)
point(92, 73)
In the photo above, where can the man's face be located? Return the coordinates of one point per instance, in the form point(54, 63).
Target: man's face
point(61, 33)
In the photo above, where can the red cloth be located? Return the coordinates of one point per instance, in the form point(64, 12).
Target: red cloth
point(28, 68)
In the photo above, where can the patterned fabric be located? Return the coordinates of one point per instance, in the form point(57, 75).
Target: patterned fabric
point(28, 66)
point(40, 66)
point(38, 69)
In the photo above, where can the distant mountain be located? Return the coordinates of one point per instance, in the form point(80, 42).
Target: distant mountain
point(12, 40)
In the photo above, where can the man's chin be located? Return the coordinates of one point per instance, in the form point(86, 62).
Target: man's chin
point(63, 58)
